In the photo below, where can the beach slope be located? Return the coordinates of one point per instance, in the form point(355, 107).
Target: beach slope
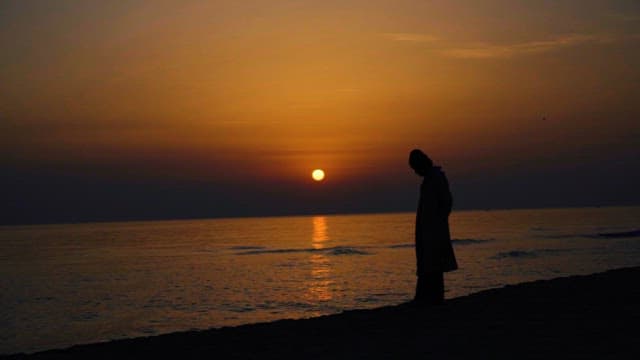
point(578, 317)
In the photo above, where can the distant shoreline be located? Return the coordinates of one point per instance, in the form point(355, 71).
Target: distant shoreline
point(582, 316)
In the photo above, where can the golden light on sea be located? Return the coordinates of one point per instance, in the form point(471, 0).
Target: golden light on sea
point(317, 175)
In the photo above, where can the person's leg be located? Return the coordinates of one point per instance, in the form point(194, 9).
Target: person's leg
point(421, 290)
point(430, 289)
point(433, 288)
point(438, 288)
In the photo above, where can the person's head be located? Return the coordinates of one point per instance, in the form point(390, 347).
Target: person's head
point(419, 162)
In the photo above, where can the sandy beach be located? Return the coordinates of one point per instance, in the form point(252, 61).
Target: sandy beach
point(578, 317)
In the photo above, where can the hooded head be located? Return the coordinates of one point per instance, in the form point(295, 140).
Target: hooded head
point(420, 162)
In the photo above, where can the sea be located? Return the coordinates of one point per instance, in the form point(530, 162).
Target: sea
point(70, 284)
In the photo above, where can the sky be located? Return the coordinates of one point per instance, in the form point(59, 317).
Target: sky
point(125, 110)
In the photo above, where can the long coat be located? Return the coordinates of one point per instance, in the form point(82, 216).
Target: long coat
point(434, 252)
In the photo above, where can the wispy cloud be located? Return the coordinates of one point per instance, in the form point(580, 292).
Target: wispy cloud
point(624, 17)
point(489, 50)
point(410, 37)
point(348, 90)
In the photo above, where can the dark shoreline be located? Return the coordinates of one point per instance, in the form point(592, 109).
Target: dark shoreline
point(582, 317)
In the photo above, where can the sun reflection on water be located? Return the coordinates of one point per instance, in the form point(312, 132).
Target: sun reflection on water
point(319, 232)
point(320, 282)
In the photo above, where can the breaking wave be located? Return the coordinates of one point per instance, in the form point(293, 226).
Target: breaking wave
point(337, 250)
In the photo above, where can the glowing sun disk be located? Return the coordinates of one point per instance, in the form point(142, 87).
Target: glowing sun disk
point(317, 174)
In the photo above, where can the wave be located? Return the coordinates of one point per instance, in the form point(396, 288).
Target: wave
point(401, 246)
point(344, 250)
point(337, 250)
point(623, 234)
point(554, 251)
point(520, 254)
point(469, 241)
point(381, 297)
point(246, 248)
point(538, 228)
point(606, 235)
point(563, 236)
point(454, 241)
point(515, 254)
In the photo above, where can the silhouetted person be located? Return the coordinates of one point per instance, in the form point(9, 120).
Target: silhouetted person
point(434, 253)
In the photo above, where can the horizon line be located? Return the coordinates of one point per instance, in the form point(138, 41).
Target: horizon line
point(310, 214)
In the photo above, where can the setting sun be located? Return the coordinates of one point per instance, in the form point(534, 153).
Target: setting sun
point(317, 175)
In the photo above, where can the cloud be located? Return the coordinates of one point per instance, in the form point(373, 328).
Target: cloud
point(488, 50)
point(348, 90)
point(410, 37)
point(624, 17)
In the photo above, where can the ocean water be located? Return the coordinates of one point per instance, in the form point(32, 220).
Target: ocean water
point(71, 284)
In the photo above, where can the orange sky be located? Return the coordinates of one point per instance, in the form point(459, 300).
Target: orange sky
point(273, 89)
